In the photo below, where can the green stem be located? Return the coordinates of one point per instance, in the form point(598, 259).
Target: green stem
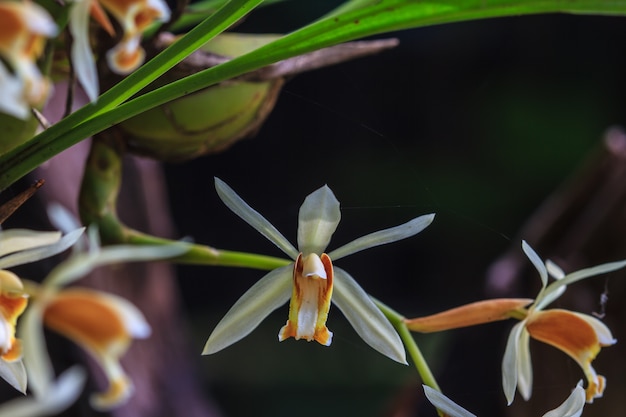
point(98, 200)
point(397, 320)
point(206, 255)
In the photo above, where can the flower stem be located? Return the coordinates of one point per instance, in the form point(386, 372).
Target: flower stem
point(397, 320)
point(207, 255)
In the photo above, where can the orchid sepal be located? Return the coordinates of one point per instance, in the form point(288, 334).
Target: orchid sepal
point(383, 237)
point(236, 204)
point(318, 218)
point(366, 318)
point(571, 407)
point(50, 244)
point(265, 296)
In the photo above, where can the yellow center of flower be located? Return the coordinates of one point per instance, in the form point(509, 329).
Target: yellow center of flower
point(310, 300)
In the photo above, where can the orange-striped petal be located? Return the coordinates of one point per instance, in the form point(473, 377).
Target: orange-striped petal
point(104, 325)
point(310, 301)
point(578, 335)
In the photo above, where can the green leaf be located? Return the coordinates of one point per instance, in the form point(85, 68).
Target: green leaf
point(354, 20)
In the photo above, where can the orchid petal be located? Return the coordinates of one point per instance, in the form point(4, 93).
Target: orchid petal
point(61, 218)
point(509, 362)
point(37, 253)
point(253, 218)
point(317, 220)
point(547, 295)
point(573, 333)
point(578, 335)
point(96, 320)
point(82, 56)
point(524, 366)
point(382, 237)
point(81, 264)
point(126, 56)
point(61, 395)
point(554, 270)
point(557, 288)
point(572, 406)
point(37, 361)
point(367, 319)
point(134, 16)
point(12, 92)
point(537, 262)
point(15, 374)
point(269, 293)
point(445, 404)
point(589, 272)
point(16, 240)
point(103, 325)
point(605, 337)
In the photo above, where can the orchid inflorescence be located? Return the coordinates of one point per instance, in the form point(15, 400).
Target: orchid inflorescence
point(104, 325)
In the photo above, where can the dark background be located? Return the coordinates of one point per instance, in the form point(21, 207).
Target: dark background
point(478, 122)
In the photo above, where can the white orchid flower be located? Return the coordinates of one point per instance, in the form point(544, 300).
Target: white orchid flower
point(312, 281)
point(578, 335)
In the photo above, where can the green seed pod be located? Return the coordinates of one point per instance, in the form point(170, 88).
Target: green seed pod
point(209, 120)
